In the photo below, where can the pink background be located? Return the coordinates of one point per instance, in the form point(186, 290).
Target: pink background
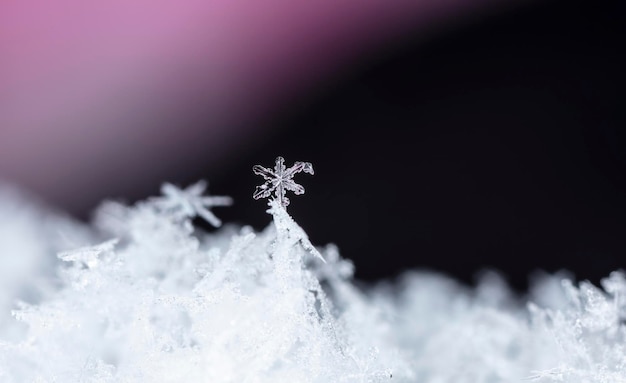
point(95, 94)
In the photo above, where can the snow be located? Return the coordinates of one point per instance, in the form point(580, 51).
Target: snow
point(190, 202)
point(140, 295)
point(280, 180)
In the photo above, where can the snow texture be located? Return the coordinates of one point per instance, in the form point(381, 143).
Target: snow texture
point(146, 297)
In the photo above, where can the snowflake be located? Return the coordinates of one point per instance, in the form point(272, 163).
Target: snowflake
point(280, 180)
point(189, 202)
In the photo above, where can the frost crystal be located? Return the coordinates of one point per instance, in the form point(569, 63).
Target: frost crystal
point(280, 180)
point(188, 203)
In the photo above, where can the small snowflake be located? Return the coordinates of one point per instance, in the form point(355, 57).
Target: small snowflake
point(280, 180)
point(189, 202)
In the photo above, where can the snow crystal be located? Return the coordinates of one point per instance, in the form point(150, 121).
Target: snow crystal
point(190, 202)
point(280, 179)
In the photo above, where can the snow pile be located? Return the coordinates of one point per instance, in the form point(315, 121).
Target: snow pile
point(156, 300)
point(29, 237)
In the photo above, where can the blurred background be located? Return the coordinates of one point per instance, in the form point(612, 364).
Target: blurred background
point(452, 135)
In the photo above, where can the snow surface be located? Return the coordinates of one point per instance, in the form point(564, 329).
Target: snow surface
point(142, 296)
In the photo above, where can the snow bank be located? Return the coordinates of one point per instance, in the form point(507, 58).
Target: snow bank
point(146, 297)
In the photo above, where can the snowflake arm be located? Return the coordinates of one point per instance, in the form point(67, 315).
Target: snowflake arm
point(189, 202)
point(298, 167)
point(265, 190)
point(266, 173)
point(280, 180)
point(206, 214)
point(294, 187)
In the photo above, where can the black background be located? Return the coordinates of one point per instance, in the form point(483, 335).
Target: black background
point(498, 143)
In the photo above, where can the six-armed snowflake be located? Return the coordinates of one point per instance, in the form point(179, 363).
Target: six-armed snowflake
point(189, 202)
point(279, 180)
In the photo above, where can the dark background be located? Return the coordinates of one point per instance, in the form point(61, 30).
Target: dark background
point(498, 143)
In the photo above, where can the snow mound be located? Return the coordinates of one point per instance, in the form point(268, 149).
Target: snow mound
point(150, 298)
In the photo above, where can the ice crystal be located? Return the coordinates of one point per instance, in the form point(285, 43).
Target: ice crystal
point(190, 202)
point(280, 179)
point(289, 232)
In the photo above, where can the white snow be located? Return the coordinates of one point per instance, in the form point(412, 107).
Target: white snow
point(148, 298)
